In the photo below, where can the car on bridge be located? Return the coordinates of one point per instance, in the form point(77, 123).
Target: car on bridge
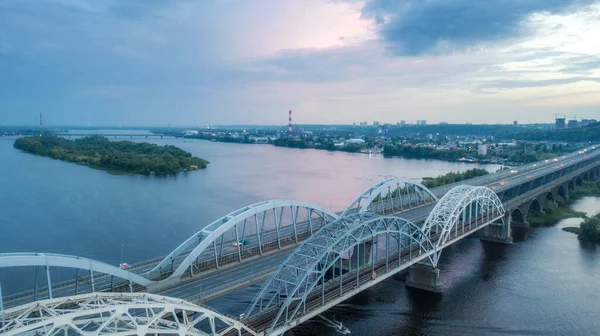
point(240, 242)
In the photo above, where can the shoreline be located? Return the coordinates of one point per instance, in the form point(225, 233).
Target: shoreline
point(112, 157)
point(562, 210)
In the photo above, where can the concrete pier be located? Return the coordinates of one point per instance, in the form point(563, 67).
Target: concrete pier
point(424, 277)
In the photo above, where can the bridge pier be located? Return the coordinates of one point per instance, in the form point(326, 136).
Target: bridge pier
point(424, 277)
point(498, 232)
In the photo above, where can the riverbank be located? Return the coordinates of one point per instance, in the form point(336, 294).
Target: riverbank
point(557, 211)
point(589, 229)
point(117, 157)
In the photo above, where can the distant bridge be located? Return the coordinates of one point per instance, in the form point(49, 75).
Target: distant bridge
point(312, 258)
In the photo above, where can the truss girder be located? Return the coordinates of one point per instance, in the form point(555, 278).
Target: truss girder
point(61, 260)
point(391, 196)
point(117, 314)
point(328, 247)
point(447, 212)
point(208, 236)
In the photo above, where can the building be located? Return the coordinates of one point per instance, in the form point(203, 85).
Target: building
point(560, 123)
point(423, 122)
point(573, 123)
point(363, 124)
point(482, 150)
point(355, 141)
point(515, 123)
point(585, 122)
point(376, 123)
point(259, 140)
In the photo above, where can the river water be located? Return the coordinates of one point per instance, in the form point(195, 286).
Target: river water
point(545, 284)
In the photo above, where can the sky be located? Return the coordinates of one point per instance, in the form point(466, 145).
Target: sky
point(220, 62)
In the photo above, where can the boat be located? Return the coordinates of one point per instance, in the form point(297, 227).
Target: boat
point(338, 326)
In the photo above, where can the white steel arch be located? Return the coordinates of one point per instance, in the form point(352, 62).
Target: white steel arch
point(207, 237)
point(49, 260)
point(307, 266)
point(466, 201)
point(391, 197)
point(118, 314)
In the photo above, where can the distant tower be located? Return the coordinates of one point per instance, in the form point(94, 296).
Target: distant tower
point(290, 123)
point(41, 124)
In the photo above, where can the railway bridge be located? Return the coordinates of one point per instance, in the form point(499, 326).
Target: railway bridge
point(307, 257)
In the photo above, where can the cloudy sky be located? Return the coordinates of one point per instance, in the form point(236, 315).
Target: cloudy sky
point(200, 62)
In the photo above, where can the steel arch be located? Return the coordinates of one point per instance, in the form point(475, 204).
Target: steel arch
point(305, 268)
point(60, 260)
point(117, 313)
point(383, 198)
point(208, 236)
point(447, 211)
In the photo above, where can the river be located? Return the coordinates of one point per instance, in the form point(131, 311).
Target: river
point(545, 284)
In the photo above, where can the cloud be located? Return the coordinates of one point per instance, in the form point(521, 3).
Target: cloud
point(415, 27)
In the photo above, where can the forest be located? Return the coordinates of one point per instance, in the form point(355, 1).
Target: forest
point(114, 156)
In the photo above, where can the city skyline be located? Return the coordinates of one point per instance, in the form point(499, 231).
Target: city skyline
point(331, 62)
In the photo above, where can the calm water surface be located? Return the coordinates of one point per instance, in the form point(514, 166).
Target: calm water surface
point(545, 284)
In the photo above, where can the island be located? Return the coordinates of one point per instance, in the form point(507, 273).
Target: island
point(113, 156)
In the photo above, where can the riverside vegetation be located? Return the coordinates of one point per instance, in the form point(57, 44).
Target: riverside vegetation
point(432, 182)
point(589, 229)
point(113, 156)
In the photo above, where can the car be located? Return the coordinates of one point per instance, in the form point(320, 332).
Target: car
point(535, 164)
point(492, 187)
point(124, 266)
point(501, 183)
point(513, 171)
point(528, 176)
point(555, 160)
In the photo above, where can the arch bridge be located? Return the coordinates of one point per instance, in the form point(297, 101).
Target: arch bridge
point(358, 251)
point(119, 314)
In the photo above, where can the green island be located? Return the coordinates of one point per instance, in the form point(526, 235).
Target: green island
point(113, 156)
point(432, 182)
point(589, 229)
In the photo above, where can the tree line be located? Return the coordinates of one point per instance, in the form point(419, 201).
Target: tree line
point(432, 182)
point(119, 156)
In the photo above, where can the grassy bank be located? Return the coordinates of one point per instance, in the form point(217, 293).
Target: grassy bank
point(561, 209)
point(553, 213)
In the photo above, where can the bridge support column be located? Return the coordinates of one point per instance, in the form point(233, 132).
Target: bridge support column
point(498, 233)
point(424, 277)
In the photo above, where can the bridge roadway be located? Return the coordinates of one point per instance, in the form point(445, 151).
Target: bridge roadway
point(211, 284)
